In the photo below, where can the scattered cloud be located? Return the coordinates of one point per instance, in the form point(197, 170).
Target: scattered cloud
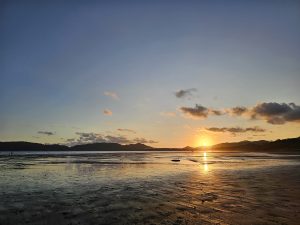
point(200, 111)
point(237, 111)
point(259, 135)
point(70, 139)
point(112, 94)
point(49, 133)
point(271, 112)
point(117, 139)
point(126, 130)
point(91, 137)
point(185, 93)
point(168, 114)
point(216, 112)
point(235, 130)
point(107, 112)
point(276, 113)
point(197, 111)
point(144, 141)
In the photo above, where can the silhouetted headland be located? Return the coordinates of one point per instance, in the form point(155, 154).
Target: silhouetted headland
point(284, 145)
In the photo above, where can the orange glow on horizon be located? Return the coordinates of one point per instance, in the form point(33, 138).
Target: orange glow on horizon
point(204, 142)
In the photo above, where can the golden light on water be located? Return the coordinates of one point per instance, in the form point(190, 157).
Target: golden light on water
point(204, 157)
point(205, 167)
point(205, 162)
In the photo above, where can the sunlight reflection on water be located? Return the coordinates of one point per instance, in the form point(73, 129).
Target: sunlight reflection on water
point(141, 185)
point(60, 170)
point(205, 165)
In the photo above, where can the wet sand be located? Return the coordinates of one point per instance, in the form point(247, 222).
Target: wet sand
point(149, 188)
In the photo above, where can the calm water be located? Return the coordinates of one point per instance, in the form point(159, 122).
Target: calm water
point(25, 171)
point(143, 187)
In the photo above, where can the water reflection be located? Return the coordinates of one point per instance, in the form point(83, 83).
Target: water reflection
point(205, 167)
point(205, 163)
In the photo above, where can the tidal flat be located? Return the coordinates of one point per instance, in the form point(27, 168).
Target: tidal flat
point(149, 188)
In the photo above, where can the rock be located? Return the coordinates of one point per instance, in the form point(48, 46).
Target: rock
point(175, 160)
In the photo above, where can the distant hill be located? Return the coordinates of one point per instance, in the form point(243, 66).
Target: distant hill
point(137, 146)
point(97, 147)
point(291, 144)
point(28, 146)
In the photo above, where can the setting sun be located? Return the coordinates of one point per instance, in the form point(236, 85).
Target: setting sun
point(204, 142)
point(149, 112)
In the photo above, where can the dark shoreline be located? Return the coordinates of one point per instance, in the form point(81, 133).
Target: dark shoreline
point(279, 146)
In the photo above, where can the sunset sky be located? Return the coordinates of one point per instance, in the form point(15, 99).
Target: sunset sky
point(164, 73)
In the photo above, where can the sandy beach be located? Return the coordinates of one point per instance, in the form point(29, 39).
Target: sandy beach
point(149, 188)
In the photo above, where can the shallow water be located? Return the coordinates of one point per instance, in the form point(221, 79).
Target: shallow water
point(149, 188)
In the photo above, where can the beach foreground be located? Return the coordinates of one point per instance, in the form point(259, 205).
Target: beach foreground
point(149, 188)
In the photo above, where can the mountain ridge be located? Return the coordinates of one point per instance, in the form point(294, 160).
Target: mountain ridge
point(289, 144)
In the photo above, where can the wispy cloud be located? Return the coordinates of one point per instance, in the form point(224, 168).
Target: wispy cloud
point(107, 112)
point(49, 133)
point(235, 129)
point(112, 95)
point(91, 137)
point(144, 141)
point(237, 111)
point(185, 93)
point(126, 130)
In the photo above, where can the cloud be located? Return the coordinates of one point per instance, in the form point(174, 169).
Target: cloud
point(107, 112)
point(112, 94)
point(276, 113)
point(271, 112)
point(216, 112)
point(49, 133)
point(185, 93)
point(235, 129)
point(237, 111)
point(126, 130)
point(70, 139)
point(91, 137)
point(117, 139)
point(144, 141)
point(85, 138)
point(200, 111)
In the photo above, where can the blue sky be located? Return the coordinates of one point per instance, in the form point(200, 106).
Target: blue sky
point(58, 59)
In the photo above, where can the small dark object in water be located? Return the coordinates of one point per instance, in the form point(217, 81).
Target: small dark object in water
point(175, 160)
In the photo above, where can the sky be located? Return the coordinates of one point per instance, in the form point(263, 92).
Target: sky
point(164, 73)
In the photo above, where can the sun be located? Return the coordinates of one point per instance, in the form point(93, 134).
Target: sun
point(204, 142)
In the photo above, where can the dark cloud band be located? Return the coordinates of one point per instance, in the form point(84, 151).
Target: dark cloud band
point(49, 133)
point(235, 129)
point(271, 112)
